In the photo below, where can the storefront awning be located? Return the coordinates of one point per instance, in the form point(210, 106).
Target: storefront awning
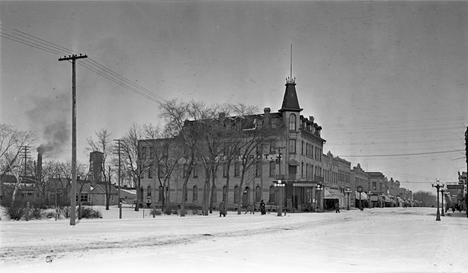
point(333, 194)
point(387, 199)
point(363, 196)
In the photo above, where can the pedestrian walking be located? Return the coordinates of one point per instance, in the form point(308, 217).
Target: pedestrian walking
point(262, 207)
point(337, 207)
point(222, 209)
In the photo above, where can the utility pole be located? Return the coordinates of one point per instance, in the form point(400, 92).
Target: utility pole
point(26, 151)
point(466, 178)
point(119, 152)
point(73, 58)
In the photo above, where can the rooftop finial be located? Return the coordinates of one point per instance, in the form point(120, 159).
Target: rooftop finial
point(290, 72)
point(290, 79)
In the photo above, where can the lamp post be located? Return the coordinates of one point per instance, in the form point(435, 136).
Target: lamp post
point(319, 200)
point(442, 195)
point(348, 191)
point(438, 186)
point(280, 184)
point(359, 189)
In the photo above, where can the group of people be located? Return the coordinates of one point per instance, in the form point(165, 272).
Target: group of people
point(223, 209)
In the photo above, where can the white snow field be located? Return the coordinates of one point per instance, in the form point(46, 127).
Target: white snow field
point(373, 240)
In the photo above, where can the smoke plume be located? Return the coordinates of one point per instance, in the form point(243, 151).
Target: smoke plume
point(50, 117)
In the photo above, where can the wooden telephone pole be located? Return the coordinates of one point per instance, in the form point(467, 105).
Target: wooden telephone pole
point(466, 177)
point(73, 58)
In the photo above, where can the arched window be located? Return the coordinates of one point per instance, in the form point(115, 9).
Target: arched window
point(215, 196)
point(225, 193)
point(161, 193)
point(258, 169)
point(142, 192)
point(236, 194)
point(258, 194)
point(292, 122)
point(148, 193)
point(272, 168)
point(195, 194)
point(272, 195)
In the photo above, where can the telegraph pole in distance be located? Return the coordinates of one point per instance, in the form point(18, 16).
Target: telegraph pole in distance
point(73, 58)
point(466, 177)
point(119, 152)
point(25, 150)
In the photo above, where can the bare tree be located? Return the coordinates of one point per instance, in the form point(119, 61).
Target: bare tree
point(132, 159)
point(247, 142)
point(181, 123)
point(11, 143)
point(103, 144)
point(165, 156)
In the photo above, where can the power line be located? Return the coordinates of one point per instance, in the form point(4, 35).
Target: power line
point(41, 44)
point(410, 154)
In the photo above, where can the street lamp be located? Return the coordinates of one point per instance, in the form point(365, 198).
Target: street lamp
point(319, 200)
point(348, 191)
point(359, 189)
point(442, 194)
point(281, 185)
point(438, 186)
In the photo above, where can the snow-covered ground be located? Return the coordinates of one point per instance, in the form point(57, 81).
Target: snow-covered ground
point(373, 240)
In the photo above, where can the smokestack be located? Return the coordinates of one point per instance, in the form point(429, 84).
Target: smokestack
point(39, 164)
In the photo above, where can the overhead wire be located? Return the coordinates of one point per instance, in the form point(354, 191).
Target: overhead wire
point(41, 44)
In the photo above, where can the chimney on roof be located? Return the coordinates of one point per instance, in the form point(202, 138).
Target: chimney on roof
point(311, 118)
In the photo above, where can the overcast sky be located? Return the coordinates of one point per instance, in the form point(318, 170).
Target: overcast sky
point(386, 80)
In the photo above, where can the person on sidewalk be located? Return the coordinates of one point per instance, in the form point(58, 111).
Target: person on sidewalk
point(222, 209)
point(337, 207)
point(262, 207)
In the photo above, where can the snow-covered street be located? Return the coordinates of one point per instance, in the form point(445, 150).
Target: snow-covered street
point(373, 240)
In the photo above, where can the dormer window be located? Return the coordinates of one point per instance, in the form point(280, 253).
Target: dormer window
point(292, 122)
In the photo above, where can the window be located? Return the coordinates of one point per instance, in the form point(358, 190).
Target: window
point(292, 146)
point(184, 171)
point(143, 153)
point(150, 172)
point(302, 148)
point(84, 197)
point(195, 171)
point(272, 146)
point(272, 195)
point(236, 194)
point(214, 197)
point(272, 168)
point(226, 149)
point(161, 171)
point(292, 122)
point(236, 169)
point(151, 152)
point(161, 193)
point(148, 192)
point(302, 169)
point(195, 194)
point(258, 169)
point(225, 170)
point(225, 193)
point(258, 194)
